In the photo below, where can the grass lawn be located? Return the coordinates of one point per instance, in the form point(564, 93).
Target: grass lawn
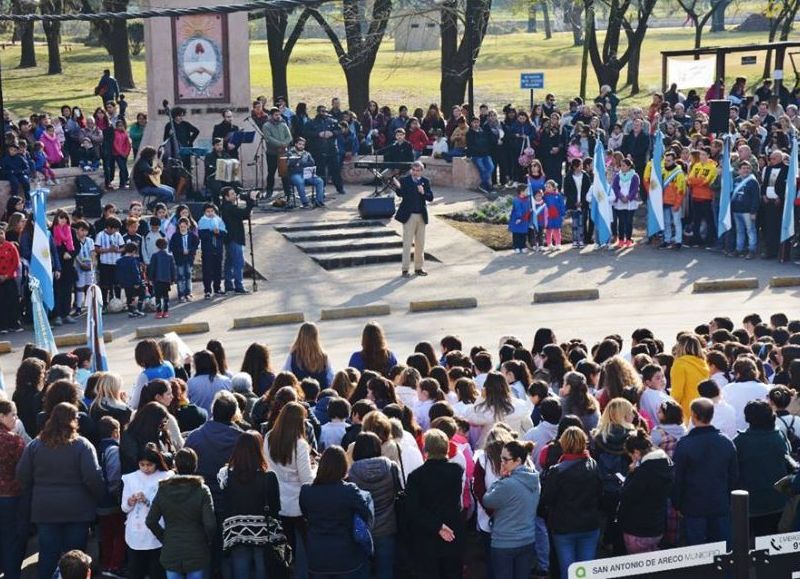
point(411, 78)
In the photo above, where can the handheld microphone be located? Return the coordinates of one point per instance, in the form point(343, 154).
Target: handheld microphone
point(165, 103)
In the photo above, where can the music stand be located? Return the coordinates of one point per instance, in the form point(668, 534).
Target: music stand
point(259, 159)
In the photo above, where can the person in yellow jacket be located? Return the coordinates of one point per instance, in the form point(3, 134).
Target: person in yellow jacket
point(674, 180)
point(688, 370)
point(701, 176)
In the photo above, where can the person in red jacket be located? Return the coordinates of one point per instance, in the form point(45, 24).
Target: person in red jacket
point(121, 149)
point(417, 137)
point(9, 293)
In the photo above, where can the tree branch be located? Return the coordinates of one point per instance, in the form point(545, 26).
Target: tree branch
point(337, 44)
point(295, 35)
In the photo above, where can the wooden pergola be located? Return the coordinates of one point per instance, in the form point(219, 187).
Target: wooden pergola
point(721, 52)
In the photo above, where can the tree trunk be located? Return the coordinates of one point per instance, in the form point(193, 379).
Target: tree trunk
point(120, 50)
point(774, 24)
point(575, 25)
point(633, 70)
point(718, 19)
point(698, 35)
point(454, 74)
point(357, 78)
point(27, 57)
point(52, 34)
point(276, 22)
point(548, 31)
point(532, 15)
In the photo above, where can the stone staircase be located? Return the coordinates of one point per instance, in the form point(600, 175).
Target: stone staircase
point(339, 244)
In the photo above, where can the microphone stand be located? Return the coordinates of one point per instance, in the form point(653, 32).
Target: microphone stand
point(252, 253)
point(259, 159)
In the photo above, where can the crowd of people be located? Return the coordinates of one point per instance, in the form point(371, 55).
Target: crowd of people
point(458, 460)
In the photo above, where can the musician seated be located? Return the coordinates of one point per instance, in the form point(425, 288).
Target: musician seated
point(213, 185)
point(147, 177)
point(398, 152)
point(302, 172)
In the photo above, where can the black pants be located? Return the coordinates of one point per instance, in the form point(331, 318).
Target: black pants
point(107, 273)
point(142, 564)
point(328, 166)
point(771, 228)
point(445, 567)
point(272, 169)
point(212, 272)
point(703, 211)
point(134, 293)
point(588, 224)
point(9, 298)
point(507, 159)
point(624, 223)
point(162, 296)
point(63, 295)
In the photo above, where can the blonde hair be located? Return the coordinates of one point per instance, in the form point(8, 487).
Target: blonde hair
point(618, 412)
point(689, 344)
point(377, 422)
point(108, 387)
point(307, 350)
point(170, 350)
point(573, 440)
point(436, 443)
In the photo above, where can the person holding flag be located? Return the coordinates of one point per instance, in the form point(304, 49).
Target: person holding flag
point(744, 206)
point(45, 265)
point(653, 184)
point(674, 188)
point(773, 190)
point(789, 208)
point(599, 197)
point(724, 219)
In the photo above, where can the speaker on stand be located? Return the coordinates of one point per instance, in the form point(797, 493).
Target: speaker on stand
point(718, 120)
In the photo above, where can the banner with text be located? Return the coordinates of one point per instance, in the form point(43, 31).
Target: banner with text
point(668, 562)
point(691, 73)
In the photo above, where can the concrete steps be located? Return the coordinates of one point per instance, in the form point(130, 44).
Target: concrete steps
point(340, 244)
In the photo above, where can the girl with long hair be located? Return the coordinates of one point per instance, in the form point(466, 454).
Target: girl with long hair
point(162, 392)
point(688, 370)
point(307, 358)
point(498, 405)
point(256, 362)
point(576, 400)
point(250, 495)
point(616, 376)
point(149, 424)
point(110, 400)
point(374, 354)
point(207, 380)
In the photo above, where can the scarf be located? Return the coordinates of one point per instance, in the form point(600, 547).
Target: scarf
point(626, 176)
point(210, 223)
point(62, 235)
point(566, 457)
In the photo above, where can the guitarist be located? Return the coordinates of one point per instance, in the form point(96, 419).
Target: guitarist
point(147, 177)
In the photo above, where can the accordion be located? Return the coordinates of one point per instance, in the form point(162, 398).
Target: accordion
point(227, 170)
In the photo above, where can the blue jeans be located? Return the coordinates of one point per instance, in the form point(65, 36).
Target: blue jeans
point(384, 556)
point(122, 164)
point(184, 278)
point(672, 219)
point(575, 547)
point(745, 226)
point(190, 575)
point(513, 563)
point(625, 224)
point(55, 539)
point(577, 225)
point(300, 184)
point(701, 530)
point(163, 193)
point(542, 544)
point(485, 167)
point(10, 539)
point(234, 266)
point(248, 561)
point(454, 152)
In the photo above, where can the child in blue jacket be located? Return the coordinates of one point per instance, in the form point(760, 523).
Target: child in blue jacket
point(519, 219)
point(163, 273)
point(556, 209)
point(212, 231)
point(183, 246)
point(129, 277)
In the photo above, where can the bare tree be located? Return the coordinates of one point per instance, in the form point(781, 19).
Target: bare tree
point(642, 15)
point(52, 32)
point(459, 54)
point(358, 60)
point(277, 24)
point(113, 35)
point(781, 15)
point(699, 19)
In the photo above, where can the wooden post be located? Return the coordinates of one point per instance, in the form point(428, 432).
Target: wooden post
point(721, 71)
point(663, 73)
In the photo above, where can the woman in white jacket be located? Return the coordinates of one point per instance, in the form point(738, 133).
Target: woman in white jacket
point(289, 457)
point(498, 405)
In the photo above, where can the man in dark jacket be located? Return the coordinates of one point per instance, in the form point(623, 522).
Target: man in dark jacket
point(744, 210)
point(480, 142)
point(415, 191)
point(434, 511)
point(234, 217)
point(321, 133)
point(773, 192)
point(636, 144)
point(107, 87)
point(706, 471)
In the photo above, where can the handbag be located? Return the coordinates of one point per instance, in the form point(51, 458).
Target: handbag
point(362, 535)
point(525, 153)
point(400, 500)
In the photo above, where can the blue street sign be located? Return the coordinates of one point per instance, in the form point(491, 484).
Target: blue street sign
point(531, 80)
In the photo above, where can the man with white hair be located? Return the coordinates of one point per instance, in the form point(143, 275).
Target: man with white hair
point(773, 191)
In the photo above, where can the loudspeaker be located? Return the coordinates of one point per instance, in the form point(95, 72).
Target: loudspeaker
point(196, 209)
point(89, 204)
point(376, 207)
point(719, 117)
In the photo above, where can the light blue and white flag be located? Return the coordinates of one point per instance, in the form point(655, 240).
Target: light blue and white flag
point(41, 264)
point(655, 193)
point(787, 225)
point(42, 332)
point(601, 202)
point(94, 329)
point(726, 186)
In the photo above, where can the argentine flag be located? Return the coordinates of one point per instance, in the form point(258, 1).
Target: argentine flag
point(787, 225)
point(726, 186)
point(655, 197)
point(94, 329)
point(41, 266)
point(601, 204)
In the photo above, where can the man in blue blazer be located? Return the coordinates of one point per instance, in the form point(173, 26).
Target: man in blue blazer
point(415, 191)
